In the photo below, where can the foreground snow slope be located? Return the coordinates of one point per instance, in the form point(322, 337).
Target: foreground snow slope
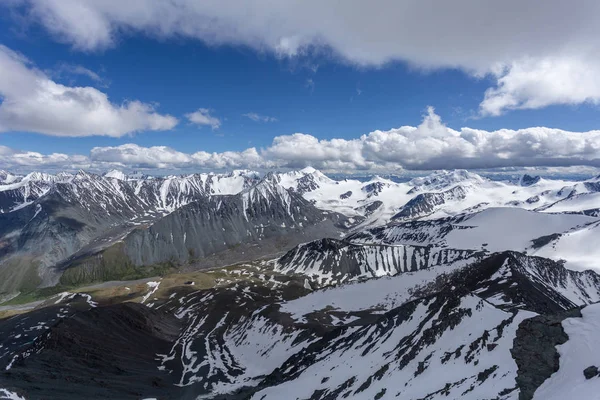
point(426, 349)
point(446, 331)
point(578, 353)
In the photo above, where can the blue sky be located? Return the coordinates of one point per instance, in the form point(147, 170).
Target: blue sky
point(320, 93)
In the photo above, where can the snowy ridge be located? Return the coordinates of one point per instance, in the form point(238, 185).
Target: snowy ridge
point(492, 230)
point(455, 342)
point(378, 201)
point(435, 348)
point(438, 195)
point(579, 288)
point(160, 194)
point(229, 341)
point(449, 332)
point(579, 247)
point(330, 261)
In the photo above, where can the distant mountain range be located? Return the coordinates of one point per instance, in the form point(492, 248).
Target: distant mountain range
point(52, 224)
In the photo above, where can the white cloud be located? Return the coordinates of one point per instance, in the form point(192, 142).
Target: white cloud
point(162, 157)
point(71, 69)
point(531, 84)
point(431, 145)
point(32, 102)
point(16, 160)
point(202, 117)
point(132, 155)
point(538, 53)
point(249, 158)
point(259, 118)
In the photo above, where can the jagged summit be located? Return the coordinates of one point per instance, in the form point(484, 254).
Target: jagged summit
point(443, 179)
point(7, 177)
point(116, 174)
point(528, 180)
point(308, 170)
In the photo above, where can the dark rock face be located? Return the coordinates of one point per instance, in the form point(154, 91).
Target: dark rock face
point(528, 180)
point(307, 184)
point(208, 227)
point(591, 372)
point(373, 189)
point(226, 229)
point(346, 195)
point(544, 240)
point(340, 261)
point(534, 350)
point(102, 353)
point(70, 216)
point(426, 203)
point(592, 186)
point(416, 232)
point(371, 208)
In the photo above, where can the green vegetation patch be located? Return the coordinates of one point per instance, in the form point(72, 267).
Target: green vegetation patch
point(19, 274)
point(112, 264)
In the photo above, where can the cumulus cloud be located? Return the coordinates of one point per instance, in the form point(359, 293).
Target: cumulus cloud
point(132, 155)
point(202, 117)
point(259, 118)
point(16, 160)
point(531, 84)
point(32, 102)
point(536, 52)
point(430, 145)
point(163, 157)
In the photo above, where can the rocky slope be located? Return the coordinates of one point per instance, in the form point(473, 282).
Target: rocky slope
point(215, 231)
point(495, 229)
point(149, 221)
point(331, 261)
point(452, 331)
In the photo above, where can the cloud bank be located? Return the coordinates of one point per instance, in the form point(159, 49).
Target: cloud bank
point(32, 102)
point(538, 53)
point(431, 145)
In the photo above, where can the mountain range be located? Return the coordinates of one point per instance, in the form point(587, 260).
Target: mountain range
point(295, 285)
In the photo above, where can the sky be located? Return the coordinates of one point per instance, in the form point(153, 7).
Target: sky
point(355, 86)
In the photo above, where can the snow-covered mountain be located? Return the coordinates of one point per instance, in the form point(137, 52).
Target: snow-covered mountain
point(440, 194)
point(450, 286)
point(485, 328)
point(53, 221)
point(92, 225)
point(497, 229)
point(331, 261)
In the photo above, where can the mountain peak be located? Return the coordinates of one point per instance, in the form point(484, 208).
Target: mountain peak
point(443, 179)
point(308, 170)
point(528, 180)
point(39, 176)
point(116, 174)
point(8, 177)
